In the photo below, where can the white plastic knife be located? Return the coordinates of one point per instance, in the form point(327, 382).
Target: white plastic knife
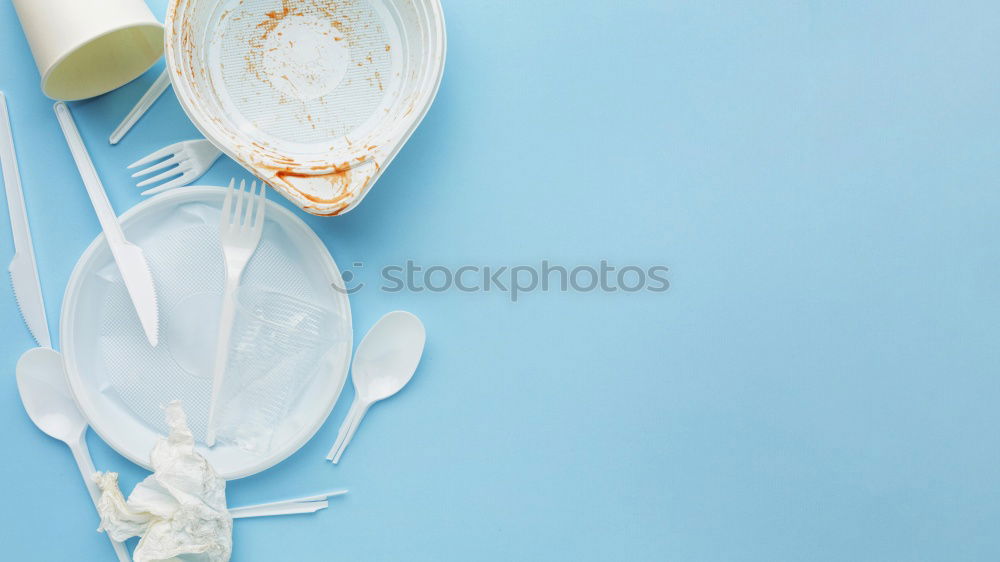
point(23, 269)
point(129, 257)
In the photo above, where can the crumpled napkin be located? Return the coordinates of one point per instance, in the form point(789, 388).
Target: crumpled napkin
point(179, 511)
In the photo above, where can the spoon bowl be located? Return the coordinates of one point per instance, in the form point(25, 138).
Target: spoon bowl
point(388, 356)
point(44, 390)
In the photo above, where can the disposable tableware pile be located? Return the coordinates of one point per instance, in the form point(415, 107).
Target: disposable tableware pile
point(202, 334)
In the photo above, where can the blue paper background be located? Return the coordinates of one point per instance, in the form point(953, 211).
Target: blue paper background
point(819, 383)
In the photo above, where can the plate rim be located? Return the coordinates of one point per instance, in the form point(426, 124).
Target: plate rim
point(67, 319)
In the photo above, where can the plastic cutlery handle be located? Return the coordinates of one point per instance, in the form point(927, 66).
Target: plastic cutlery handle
point(95, 189)
point(347, 429)
point(226, 316)
point(82, 456)
point(144, 103)
point(12, 182)
point(283, 509)
point(307, 499)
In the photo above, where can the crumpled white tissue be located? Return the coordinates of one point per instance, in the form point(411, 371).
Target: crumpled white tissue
point(179, 511)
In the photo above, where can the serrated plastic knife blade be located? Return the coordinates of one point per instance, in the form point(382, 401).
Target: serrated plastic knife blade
point(23, 270)
point(139, 282)
point(28, 294)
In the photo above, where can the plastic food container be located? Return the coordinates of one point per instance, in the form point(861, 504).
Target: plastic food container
point(315, 97)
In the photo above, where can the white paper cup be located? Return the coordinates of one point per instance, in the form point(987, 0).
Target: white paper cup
point(84, 48)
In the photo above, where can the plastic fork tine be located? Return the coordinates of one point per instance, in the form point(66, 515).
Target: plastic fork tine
point(251, 218)
point(159, 166)
point(234, 220)
point(162, 153)
point(227, 203)
point(258, 223)
point(234, 208)
point(168, 174)
point(251, 205)
point(184, 179)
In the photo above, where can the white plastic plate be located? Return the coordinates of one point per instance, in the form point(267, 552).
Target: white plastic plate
point(120, 383)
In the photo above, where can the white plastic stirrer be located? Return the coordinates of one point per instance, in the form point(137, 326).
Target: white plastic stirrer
point(309, 504)
point(143, 105)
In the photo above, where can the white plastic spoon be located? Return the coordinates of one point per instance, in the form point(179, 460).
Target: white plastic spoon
point(45, 393)
point(385, 361)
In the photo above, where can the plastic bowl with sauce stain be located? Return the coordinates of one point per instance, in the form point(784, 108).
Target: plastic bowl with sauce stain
point(315, 97)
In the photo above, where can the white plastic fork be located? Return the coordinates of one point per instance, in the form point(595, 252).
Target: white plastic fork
point(191, 159)
point(240, 226)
